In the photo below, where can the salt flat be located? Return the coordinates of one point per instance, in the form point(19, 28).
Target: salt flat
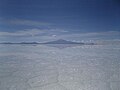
point(40, 67)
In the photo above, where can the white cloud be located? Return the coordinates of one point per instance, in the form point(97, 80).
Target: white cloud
point(32, 32)
point(89, 34)
point(27, 32)
point(25, 22)
point(53, 34)
point(92, 35)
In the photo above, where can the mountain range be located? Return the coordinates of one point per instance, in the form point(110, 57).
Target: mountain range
point(59, 41)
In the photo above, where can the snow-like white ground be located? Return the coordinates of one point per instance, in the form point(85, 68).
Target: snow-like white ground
point(29, 67)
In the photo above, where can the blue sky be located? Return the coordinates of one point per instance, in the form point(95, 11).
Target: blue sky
point(44, 20)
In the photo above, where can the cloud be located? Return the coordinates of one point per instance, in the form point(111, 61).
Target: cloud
point(33, 32)
point(26, 32)
point(25, 22)
point(89, 34)
point(43, 35)
point(92, 35)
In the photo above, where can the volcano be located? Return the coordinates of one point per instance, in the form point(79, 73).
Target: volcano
point(62, 41)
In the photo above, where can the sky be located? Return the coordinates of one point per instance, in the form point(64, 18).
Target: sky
point(44, 20)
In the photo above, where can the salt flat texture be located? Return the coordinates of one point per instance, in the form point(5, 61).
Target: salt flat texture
point(87, 67)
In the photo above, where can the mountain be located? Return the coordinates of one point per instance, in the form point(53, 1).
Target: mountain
point(19, 43)
point(62, 41)
point(28, 43)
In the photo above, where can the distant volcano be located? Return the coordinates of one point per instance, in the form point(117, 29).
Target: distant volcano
point(59, 41)
point(62, 41)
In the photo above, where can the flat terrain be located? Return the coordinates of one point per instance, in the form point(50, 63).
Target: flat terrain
point(40, 67)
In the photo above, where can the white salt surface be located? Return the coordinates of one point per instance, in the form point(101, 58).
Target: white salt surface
point(28, 67)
